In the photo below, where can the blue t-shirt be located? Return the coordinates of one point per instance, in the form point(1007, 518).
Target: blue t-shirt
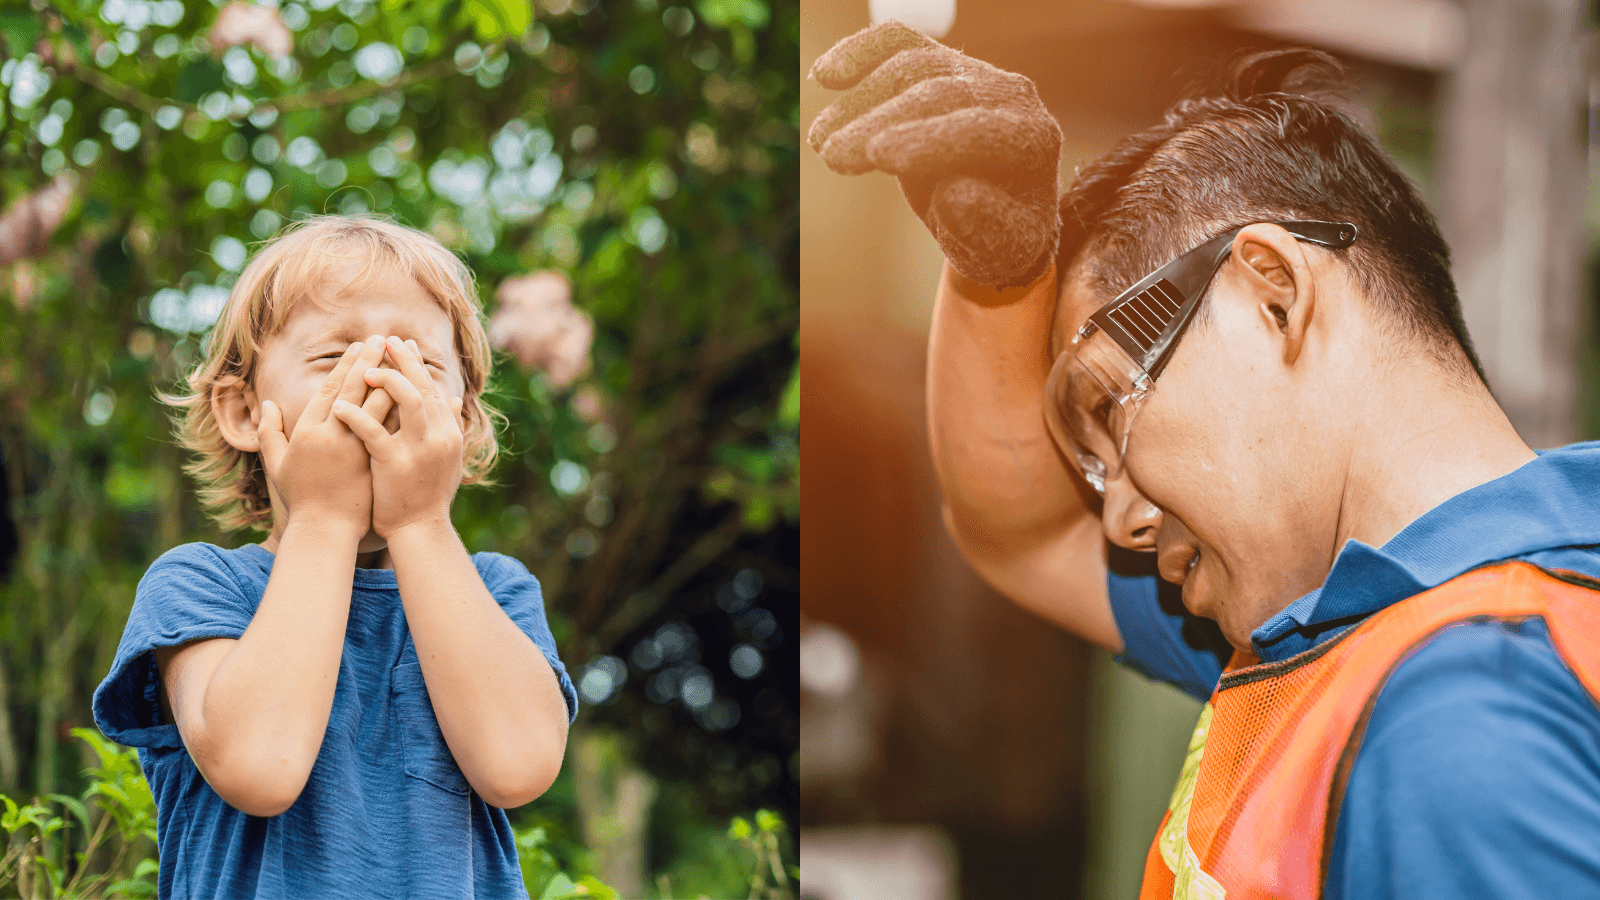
point(1479, 771)
point(385, 812)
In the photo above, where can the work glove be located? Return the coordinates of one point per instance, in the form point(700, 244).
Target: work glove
point(975, 150)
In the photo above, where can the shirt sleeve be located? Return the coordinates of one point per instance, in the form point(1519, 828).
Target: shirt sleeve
point(1478, 776)
point(1160, 639)
point(518, 593)
point(189, 593)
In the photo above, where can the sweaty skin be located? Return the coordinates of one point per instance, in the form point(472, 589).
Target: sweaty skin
point(1245, 498)
point(1018, 514)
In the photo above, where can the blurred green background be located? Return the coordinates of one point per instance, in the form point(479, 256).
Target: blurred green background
point(645, 148)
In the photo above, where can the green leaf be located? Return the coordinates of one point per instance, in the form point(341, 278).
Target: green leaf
point(198, 78)
point(130, 487)
point(402, 14)
point(75, 806)
point(103, 748)
point(494, 19)
point(767, 820)
point(724, 13)
point(559, 887)
point(21, 30)
point(594, 887)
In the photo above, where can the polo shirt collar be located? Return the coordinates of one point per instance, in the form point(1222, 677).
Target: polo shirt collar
point(1546, 503)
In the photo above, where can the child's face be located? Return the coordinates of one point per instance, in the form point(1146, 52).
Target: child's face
point(297, 360)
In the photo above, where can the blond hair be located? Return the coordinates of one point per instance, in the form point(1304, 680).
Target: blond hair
point(289, 268)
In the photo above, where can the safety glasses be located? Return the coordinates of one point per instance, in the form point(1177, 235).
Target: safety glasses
point(1099, 383)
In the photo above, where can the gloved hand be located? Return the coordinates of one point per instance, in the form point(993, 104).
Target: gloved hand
point(975, 150)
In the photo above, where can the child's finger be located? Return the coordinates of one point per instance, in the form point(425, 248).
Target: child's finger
point(423, 368)
point(406, 356)
point(322, 400)
point(413, 411)
point(378, 404)
point(380, 443)
point(270, 435)
point(448, 410)
point(354, 389)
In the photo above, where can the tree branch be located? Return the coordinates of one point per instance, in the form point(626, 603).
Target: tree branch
point(644, 604)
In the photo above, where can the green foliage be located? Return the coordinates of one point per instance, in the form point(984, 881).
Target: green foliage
point(57, 847)
point(647, 148)
point(102, 844)
point(746, 859)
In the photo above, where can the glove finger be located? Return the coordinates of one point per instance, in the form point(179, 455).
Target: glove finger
point(918, 191)
point(991, 236)
point(846, 151)
point(850, 60)
point(903, 70)
point(996, 143)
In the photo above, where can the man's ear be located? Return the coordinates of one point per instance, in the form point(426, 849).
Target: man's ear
point(1277, 271)
point(238, 413)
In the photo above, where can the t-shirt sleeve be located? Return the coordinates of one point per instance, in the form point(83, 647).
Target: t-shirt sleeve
point(1160, 639)
point(189, 593)
point(518, 593)
point(1478, 776)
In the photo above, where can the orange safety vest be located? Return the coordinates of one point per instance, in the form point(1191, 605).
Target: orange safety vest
point(1255, 808)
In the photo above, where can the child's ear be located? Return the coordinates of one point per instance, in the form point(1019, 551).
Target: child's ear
point(238, 413)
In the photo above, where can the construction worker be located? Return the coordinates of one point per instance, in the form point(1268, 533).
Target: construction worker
point(1234, 347)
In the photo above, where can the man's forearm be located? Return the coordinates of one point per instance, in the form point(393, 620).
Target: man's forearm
point(987, 363)
point(265, 707)
point(494, 694)
point(1011, 504)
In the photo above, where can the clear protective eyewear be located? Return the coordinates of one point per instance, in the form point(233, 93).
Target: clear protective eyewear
point(1099, 383)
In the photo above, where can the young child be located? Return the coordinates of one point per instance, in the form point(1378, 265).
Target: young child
point(347, 708)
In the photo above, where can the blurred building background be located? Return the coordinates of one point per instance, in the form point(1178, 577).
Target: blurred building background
point(955, 745)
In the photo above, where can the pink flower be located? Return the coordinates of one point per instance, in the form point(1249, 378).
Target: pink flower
point(246, 23)
point(26, 226)
point(588, 403)
point(538, 324)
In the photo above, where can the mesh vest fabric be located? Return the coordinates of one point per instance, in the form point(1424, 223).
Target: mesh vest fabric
point(1254, 813)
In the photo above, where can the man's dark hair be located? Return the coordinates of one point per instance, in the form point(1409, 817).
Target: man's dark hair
point(1273, 143)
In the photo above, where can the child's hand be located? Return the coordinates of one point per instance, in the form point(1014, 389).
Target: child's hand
point(416, 470)
point(322, 470)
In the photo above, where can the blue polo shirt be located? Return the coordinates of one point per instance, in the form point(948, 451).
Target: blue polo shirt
point(386, 812)
point(1479, 773)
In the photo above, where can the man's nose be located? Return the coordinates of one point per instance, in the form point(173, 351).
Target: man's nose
point(1128, 518)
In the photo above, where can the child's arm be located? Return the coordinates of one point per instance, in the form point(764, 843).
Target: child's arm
point(253, 711)
point(497, 700)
